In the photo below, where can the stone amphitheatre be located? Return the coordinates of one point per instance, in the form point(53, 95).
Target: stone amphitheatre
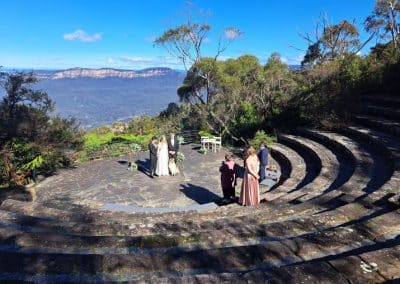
point(333, 217)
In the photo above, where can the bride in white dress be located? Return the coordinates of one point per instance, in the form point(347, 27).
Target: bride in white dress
point(162, 158)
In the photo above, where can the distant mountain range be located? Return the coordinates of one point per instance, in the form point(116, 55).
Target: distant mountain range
point(103, 73)
point(101, 96)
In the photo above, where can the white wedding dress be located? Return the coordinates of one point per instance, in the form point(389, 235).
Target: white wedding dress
point(162, 160)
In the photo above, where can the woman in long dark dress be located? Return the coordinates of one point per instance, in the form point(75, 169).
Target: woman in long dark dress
point(228, 177)
point(250, 191)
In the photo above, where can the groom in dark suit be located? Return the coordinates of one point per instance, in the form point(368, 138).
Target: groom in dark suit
point(263, 157)
point(153, 156)
point(173, 146)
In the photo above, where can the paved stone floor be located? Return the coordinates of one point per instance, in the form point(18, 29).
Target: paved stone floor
point(110, 184)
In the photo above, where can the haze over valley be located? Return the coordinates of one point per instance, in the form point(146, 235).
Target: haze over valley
point(102, 96)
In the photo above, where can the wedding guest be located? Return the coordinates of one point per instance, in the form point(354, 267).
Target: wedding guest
point(173, 147)
point(228, 177)
point(162, 158)
point(250, 192)
point(153, 155)
point(263, 158)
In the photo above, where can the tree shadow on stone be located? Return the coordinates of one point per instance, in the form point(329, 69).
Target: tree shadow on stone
point(16, 192)
point(199, 194)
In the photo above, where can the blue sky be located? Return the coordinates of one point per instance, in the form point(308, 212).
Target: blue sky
point(118, 34)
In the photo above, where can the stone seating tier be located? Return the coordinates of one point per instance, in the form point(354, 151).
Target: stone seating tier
point(328, 220)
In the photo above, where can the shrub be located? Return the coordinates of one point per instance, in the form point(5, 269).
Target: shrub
point(262, 137)
point(203, 150)
point(205, 133)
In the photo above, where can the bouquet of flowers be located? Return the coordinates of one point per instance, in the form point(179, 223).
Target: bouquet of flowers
point(180, 157)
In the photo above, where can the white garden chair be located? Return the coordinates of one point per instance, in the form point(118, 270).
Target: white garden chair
point(217, 143)
point(205, 141)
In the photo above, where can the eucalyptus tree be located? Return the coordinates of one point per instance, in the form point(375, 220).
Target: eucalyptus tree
point(199, 88)
point(331, 41)
point(279, 84)
point(385, 17)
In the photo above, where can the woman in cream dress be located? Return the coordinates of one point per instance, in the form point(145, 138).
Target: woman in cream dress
point(162, 158)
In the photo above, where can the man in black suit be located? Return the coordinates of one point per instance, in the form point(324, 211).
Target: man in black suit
point(153, 155)
point(173, 146)
point(263, 157)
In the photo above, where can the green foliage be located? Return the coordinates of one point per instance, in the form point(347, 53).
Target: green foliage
point(34, 164)
point(205, 133)
point(135, 147)
point(31, 140)
point(383, 22)
point(262, 137)
point(247, 119)
point(134, 167)
point(203, 150)
point(350, 70)
point(181, 140)
point(239, 96)
point(172, 110)
point(144, 125)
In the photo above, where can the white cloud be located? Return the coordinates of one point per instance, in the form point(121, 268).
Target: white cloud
point(82, 36)
point(145, 62)
point(226, 57)
point(135, 59)
point(110, 61)
point(284, 59)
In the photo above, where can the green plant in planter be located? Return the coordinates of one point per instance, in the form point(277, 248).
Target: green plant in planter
point(203, 150)
point(134, 167)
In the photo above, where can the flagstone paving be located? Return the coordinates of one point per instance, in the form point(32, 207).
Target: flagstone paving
point(110, 183)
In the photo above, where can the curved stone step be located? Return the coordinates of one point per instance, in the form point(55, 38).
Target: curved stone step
point(361, 167)
point(283, 160)
point(389, 146)
point(88, 215)
point(329, 171)
point(297, 172)
point(369, 266)
point(262, 255)
point(345, 157)
point(311, 159)
point(392, 112)
point(232, 232)
point(265, 213)
point(382, 100)
point(379, 123)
